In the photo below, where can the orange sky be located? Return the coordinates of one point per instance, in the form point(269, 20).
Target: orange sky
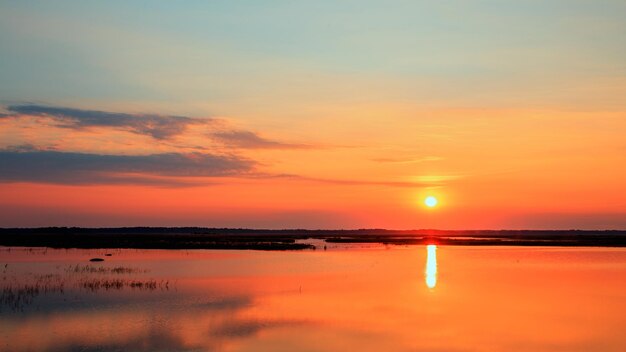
point(258, 123)
point(529, 170)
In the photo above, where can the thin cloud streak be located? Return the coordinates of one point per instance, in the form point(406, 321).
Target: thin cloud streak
point(343, 182)
point(407, 161)
point(251, 140)
point(431, 179)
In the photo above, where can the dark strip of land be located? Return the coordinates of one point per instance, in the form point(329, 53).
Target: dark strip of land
point(220, 238)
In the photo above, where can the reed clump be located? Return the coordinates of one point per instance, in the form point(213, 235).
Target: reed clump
point(118, 284)
point(17, 296)
point(91, 269)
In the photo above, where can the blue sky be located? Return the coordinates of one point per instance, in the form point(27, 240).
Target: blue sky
point(219, 51)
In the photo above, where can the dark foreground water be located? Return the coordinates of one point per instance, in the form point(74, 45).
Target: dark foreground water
point(418, 298)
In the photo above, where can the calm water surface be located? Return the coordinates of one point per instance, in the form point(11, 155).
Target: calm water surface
point(412, 298)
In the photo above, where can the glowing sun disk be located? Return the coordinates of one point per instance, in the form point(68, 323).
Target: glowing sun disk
point(430, 201)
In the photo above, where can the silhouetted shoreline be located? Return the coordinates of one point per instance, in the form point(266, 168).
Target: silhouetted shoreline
point(222, 238)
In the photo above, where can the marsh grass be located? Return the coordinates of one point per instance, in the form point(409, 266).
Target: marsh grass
point(19, 290)
point(118, 284)
point(16, 296)
point(91, 269)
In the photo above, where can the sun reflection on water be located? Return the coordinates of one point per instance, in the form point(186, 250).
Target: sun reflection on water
point(431, 266)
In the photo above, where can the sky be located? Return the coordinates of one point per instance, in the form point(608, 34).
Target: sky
point(324, 114)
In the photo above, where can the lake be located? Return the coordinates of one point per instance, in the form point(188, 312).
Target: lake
point(360, 298)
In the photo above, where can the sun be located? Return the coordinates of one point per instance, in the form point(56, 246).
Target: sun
point(430, 201)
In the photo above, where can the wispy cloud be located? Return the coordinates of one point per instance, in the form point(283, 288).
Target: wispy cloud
point(347, 182)
point(159, 127)
point(47, 166)
point(156, 126)
point(251, 140)
point(26, 163)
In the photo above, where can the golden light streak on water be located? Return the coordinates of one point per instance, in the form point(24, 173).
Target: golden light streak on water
point(431, 266)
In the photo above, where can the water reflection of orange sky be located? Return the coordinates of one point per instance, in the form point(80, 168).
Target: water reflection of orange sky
point(499, 298)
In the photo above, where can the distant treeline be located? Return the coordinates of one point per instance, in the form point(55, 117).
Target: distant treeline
point(299, 232)
point(264, 239)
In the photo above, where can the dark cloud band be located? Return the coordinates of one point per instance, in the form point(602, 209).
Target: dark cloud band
point(82, 168)
point(157, 126)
